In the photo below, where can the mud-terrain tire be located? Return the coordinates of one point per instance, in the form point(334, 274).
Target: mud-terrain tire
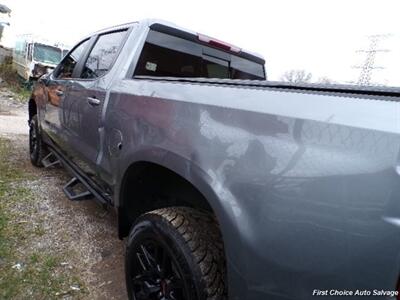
point(37, 149)
point(178, 250)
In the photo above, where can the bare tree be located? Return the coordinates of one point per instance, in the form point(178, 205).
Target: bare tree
point(296, 76)
point(326, 80)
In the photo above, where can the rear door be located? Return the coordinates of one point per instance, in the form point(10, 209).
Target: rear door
point(86, 97)
point(56, 90)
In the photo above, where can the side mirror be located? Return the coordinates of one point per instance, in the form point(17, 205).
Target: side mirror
point(44, 79)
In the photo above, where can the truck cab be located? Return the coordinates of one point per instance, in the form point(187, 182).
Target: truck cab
point(33, 57)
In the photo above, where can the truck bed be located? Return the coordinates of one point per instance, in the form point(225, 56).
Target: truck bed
point(315, 168)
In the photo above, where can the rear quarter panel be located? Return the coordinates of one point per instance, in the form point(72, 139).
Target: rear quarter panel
point(304, 186)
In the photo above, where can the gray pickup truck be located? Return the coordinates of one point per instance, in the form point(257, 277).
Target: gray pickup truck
point(227, 186)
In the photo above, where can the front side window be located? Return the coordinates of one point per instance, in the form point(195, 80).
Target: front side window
point(103, 54)
point(69, 63)
point(20, 48)
point(64, 52)
point(30, 50)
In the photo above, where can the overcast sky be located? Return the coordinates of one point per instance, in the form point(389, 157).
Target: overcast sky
point(320, 36)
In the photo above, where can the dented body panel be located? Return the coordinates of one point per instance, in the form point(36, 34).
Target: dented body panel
point(307, 198)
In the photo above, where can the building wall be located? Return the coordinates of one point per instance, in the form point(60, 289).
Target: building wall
point(4, 53)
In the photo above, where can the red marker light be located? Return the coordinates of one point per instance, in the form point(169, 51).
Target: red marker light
point(217, 43)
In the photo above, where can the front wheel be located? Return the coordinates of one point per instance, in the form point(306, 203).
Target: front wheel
point(36, 146)
point(175, 254)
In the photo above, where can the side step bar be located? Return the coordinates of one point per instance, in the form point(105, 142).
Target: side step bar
point(74, 195)
point(85, 191)
point(50, 160)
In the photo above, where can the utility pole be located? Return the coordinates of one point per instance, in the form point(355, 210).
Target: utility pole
point(369, 63)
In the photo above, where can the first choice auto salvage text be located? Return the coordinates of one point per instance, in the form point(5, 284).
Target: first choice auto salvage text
point(345, 293)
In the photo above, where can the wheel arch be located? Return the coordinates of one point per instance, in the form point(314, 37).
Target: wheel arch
point(196, 182)
point(205, 183)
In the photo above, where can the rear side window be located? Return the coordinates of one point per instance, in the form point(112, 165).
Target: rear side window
point(165, 55)
point(160, 61)
point(103, 54)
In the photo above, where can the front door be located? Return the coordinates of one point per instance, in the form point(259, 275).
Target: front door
point(85, 100)
point(82, 118)
point(56, 90)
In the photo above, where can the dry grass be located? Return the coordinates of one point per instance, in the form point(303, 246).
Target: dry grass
point(28, 272)
point(13, 81)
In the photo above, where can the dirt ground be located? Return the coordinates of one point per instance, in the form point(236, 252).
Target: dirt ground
point(84, 230)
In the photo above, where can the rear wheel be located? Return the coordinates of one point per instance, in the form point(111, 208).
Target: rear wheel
point(37, 148)
point(175, 254)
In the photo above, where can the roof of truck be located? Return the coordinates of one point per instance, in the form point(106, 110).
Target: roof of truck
point(150, 22)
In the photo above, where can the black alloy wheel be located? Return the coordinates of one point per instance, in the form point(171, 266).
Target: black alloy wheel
point(175, 254)
point(37, 148)
point(156, 274)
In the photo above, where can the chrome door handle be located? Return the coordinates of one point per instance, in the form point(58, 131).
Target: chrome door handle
point(59, 93)
point(93, 101)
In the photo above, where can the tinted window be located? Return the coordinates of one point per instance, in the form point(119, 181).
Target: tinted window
point(245, 69)
point(215, 68)
point(159, 61)
point(68, 65)
point(103, 54)
point(165, 55)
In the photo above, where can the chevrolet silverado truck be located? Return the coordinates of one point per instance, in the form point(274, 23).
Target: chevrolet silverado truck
point(226, 185)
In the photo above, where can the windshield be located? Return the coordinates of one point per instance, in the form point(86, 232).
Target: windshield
point(47, 54)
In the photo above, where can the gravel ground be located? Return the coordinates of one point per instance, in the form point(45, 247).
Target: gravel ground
point(13, 114)
point(84, 229)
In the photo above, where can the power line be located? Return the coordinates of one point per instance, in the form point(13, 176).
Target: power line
point(369, 63)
